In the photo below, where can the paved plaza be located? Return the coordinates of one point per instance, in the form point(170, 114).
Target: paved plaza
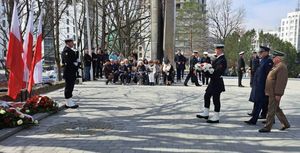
point(144, 119)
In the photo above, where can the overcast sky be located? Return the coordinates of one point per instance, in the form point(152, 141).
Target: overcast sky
point(265, 14)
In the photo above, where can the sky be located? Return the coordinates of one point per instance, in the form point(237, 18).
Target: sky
point(265, 14)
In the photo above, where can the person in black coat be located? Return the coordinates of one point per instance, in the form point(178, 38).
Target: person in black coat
point(95, 64)
point(241, 69)
point(254, 63)
point(100, 62)
point(70, 65)
point(192, 73)
point(180, 64)
point(258, 89)
point(215, 87)
point(108, 72)
point(205, 59)
point(87, 61)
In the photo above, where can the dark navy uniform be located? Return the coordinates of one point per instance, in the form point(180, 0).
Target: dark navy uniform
point(258, 89)
point(241, 70)
point(216, 85)
point(70, 65)
point(192, 73)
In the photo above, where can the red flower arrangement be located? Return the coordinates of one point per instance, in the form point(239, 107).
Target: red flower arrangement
point(39, 104)
point(12, 117)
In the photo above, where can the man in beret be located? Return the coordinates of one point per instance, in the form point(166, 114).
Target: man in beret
point(275, 86)
point(215, 87)
point(241, 68)
point(70, 65)
point(258, 89)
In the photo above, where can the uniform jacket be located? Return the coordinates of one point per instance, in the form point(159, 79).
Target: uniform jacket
point(241, 65)
point(193, 62)
point(277, 80)
point(259, 80)
point(254, 63)
point(216, 85)
point(69, 61)
point(180, 58)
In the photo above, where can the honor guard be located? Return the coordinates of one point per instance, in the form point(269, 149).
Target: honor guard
point(241, 68)
point(70, 68)
point(215, 86)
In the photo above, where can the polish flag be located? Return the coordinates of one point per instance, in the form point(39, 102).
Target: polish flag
point(36, 66)
point(27, 46)
point(14, 56)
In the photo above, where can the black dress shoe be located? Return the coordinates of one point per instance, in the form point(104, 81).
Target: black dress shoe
point(200, 116)
point(210, 121)
point(72, 107)
point(241, 86)
point(198, 85)
point(264, 130)
point(250, 123)
point(185, 84)
point(284, 128)
point(250, 114)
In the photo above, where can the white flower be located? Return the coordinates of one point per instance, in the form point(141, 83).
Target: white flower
point(2, 111)
point(36, 122)
point(22, 116)
point(20, 122)
point(27, 111)
point(18, 108)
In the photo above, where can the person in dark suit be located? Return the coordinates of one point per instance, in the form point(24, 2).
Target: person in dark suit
point(180, 64)
point(205, 59)
point(254, 63)
point(70, 65)
point(241, 68)
point(216, 86)
point(87, 60)
point(258, 95)
point(192, 74)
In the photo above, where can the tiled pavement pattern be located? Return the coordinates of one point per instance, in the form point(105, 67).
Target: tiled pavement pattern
point(144, 119)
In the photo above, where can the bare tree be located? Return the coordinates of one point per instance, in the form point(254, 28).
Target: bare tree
point(223, 19)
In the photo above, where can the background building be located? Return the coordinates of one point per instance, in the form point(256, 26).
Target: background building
point(290, 29)
point(3, 30)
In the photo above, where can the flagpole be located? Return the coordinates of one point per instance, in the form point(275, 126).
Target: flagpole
point(89, 36)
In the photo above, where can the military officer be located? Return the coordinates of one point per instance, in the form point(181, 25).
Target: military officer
point(241, 68)
point(193, 74)
point(275, 86)
point(215, 86)
point(258, 89)
point(70, 65)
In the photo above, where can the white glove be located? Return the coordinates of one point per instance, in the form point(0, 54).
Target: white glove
point(75, 63)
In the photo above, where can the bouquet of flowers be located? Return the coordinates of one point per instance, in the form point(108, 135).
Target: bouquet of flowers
point(205, 67)
point(39, 104)
point(12, 117)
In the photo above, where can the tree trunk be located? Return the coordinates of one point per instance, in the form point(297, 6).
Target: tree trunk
point(103, 36)
point(57, 57)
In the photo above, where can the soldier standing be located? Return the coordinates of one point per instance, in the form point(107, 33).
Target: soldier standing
point(180, 64)
point(258, 89)
point(205, 59)
point(70, 64)
point(215, 87)
point(275, 86)
point(241, 68)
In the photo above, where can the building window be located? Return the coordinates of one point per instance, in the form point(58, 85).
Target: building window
point(74, 29)
point(68, 29)
point(3, 23)
point(68, 21)
point(67, 12)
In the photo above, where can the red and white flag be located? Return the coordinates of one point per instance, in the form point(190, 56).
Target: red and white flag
point(36, 66)
point(14, 56)
point(27, 46)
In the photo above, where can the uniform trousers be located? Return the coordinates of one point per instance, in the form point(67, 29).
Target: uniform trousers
point(69, 87)
point(240, 77)
point(216, 100)
point(274, 109)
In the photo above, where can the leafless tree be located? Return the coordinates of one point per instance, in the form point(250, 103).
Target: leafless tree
point(223, 19)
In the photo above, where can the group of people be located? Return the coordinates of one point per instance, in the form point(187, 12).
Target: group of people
point(269, 77)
